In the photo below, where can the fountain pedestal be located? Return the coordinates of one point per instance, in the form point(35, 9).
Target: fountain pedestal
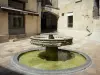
point(52, 53)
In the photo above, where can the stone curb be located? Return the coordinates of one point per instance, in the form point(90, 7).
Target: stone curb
point(32, 71)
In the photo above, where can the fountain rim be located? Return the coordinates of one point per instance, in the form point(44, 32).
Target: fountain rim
point(56, 39)
point(29, 70)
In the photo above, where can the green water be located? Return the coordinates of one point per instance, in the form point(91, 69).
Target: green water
point(31, 59)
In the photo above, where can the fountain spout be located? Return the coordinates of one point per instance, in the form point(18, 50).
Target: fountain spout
point(51, 36)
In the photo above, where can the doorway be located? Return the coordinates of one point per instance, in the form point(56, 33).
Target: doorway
point(48, 22)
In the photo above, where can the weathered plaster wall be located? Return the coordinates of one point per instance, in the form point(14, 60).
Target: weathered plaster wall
point(96, 30)
point(82, 17)
point(3, 19)
point(31, 26)
point(31, 5)
point(3, 26)
point(32, 23)
point(39, 18)
point(3, 23)
point(4, 2)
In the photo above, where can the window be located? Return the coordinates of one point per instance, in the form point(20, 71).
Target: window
point(18, 22)
point(70, 21)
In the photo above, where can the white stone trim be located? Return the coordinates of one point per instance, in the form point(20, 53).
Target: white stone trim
point(70, 14)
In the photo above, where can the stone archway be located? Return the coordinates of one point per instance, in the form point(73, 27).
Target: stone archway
point(48, 22)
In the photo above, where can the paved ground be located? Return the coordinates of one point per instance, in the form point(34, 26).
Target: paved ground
point(90, 47)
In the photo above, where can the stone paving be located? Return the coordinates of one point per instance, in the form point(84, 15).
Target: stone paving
point(90, 47)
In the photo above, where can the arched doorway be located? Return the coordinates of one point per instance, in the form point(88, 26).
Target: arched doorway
point(48, 22)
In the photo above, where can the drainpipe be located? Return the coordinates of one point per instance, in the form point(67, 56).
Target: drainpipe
point(39, 18)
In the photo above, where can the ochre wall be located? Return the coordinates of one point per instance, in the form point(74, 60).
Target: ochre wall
point(31, 5)
point(3, 27)
point(3, 19)
point(31, 25)
point(3, 23)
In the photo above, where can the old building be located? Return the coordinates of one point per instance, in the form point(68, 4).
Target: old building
point(19, 17)
point(49, 15)
point(27, 17)
point(80, 18)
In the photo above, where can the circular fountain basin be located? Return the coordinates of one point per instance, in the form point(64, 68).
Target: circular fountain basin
point(29, 63)
point(50, 60)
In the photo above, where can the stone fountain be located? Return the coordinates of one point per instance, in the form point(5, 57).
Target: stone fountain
point(52, 45)
point(50, 59)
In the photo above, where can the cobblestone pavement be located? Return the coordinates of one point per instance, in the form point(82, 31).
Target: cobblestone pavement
point(90, 47)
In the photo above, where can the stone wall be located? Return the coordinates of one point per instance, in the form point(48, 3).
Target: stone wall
point(82, 18)
point(31, 25)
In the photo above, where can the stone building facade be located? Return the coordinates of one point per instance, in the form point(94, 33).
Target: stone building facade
point(49, 15)
point(80, 18)
point(19, 17)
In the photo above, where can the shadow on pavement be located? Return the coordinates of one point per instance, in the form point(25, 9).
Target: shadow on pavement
point(5, 71)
